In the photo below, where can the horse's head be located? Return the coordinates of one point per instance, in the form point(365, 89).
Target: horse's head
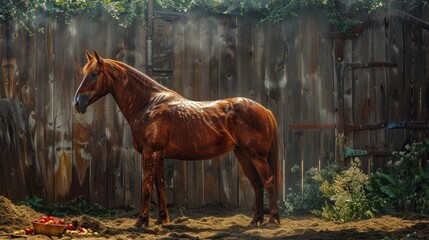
point(95, 83)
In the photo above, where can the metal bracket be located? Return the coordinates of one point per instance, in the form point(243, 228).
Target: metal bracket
point(344, 151)
point(413, 125)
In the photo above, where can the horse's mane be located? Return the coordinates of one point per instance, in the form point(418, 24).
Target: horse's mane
point(135, 74)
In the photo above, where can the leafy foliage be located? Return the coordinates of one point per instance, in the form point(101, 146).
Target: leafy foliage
point(406, 185)
point(77, 206)
point(346, 194)
point(310, 198)
point(128, 11)
point(26, 12)
point(306, 197)
point(349, 194)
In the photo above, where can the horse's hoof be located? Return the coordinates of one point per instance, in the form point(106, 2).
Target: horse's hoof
point(273, 222)
point(141, 224)
point(256, 222)
point(136, 229)
point(271, 225)
point(162, 220)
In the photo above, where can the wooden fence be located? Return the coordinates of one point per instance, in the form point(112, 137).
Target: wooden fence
point(318, 84)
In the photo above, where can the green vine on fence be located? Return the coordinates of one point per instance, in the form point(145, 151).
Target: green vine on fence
point(339, 12)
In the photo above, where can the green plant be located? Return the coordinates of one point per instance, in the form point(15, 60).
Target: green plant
point(347, 199)
point(77, 206)
point(406, 185)
point(26, 12)
point(306, 197)
point(33, 202)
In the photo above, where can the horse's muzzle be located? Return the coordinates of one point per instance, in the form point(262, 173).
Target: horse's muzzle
point(81, 103)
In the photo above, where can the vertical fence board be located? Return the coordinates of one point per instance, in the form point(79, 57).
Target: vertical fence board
point(62, 111)
point(326, 151)
point(395, 91)
point(115, 129)
point(227, 77)
point(179, 178)
point(409, 78)
point(81, 178)
point(194, 169)
point(361, 87)
point(94, 122)
point(378, 95)
point(275, 80)
point(310, 91)
point(293, 99)
point(3, 52)
point(44, 108)
point(245, 79)
point(209, 86)
point(425, 69)
point(134, 54)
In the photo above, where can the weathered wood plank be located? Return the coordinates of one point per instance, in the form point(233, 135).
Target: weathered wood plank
point(44, 109)
point(294, 139)
point(3, 52)
point(134, 55)
point(409, 78)
point(310, 90)
point(227, 77)
point(395, 91)
point(94, 121)
point(362, 85)
point(275, 81)
point(209, 87)
point(378, 96)
point(192, 90)
point(62, 85)
point(179, 183)
point(115, 126)
point(246, 81)
point(20, 172)
point(81, 163)
point(425, 68)
point(325, 89)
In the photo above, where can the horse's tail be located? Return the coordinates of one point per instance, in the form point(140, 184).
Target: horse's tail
point(273, 155)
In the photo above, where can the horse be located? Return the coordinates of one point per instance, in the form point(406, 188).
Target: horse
point(165, 124)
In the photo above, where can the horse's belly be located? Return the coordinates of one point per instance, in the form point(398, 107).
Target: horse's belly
point(199, 145)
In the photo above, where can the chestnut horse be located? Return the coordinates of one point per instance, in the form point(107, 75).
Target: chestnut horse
point(166, 125)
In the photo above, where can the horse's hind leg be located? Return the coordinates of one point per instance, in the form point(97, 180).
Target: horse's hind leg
point(268, 179)
point(160, 190)
point(251, 173)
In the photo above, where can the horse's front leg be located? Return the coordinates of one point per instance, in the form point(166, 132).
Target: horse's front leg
point(160, 190)
point(150, 163)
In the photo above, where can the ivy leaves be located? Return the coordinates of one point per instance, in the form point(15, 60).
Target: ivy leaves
point(128, 12)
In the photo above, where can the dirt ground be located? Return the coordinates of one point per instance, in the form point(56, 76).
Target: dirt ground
point(221, 221)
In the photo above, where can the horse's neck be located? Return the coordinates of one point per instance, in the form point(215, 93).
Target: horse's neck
point(134, 93)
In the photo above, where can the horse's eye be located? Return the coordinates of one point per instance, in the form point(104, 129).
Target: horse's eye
point(94, 75)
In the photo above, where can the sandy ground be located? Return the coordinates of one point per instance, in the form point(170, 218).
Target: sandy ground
point(221, 221)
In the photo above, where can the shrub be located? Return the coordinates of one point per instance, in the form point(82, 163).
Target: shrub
point(346, 195)
point(306, 196)
point(406, 185)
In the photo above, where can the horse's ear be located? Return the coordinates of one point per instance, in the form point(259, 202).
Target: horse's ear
point(100, 60)
point(89, 57)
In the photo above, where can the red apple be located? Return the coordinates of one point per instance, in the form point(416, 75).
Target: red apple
point(70, 226)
